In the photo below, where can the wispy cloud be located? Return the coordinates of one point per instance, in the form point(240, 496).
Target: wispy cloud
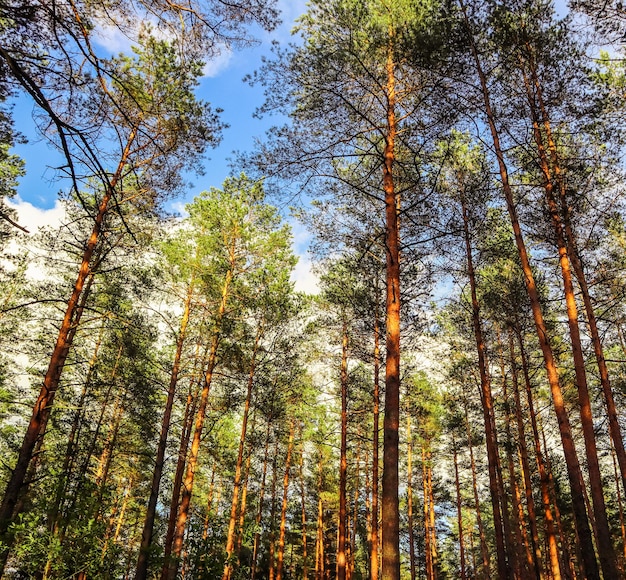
point(219, 63)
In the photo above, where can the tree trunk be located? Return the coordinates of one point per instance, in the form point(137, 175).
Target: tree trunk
point(259, 514)
point(523, 448)
point(171, 567)
point(390, 498)
point(487, 405)
point(544, 478)
point(43, 405)
point(190, 411)
point(230, 537)
point(319, 541)
point(141, 571)
point(606, 552)
point(459, 514)
point(374, 560)
point(481, 530)
point(569, 449)
point(280, 556)
point(343, 462)
point(409, 496)
point(305, 564)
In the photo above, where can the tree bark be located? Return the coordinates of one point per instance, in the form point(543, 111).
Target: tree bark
point(280, 556)
point(45, 400)
point(487, 405)
point(171, 567)
point(606, 552)
point(230, 537)
point(141, 570)
point(459, 513)
point(390, 498)
point(569, 449)
point(343, 462)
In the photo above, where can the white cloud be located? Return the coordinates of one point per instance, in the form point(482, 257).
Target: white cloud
point(33, 218)
point(113, 40)
point(303, 277)
point(218, 63)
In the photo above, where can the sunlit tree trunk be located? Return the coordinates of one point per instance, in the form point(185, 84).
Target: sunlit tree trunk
point(459, 514)
point(606, 552)
point(374, 559)
point(230, 537)
point(280, 555)
point(45, 400)
point(565, 430)
point(343, 462)
point(523, 448)
point(390, 498)
point(259, 514)
point(141, 571)
point(544, 482)
point(192, 461)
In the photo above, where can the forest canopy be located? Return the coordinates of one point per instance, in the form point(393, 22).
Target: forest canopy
point(450, 403)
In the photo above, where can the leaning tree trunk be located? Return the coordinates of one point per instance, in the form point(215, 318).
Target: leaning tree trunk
point(606, 552)
point(43, 405)
point(569, 449)
point(141, 571)
point(171, 567)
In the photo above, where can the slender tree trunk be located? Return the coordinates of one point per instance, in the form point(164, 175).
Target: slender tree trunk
point(409, 496)
point(171, 567)
point(141, 571)
point(259, 514)
point(459, 513)
point(305, 564)
point(244, 497)
point(319, 541)
point(606, 552)
point(43, 405)
point(280, 556)
point(481, 529)
point(355, 509)
point(374, 559)
point(487, 404)
point(343, 462)
point(272, 531)
point(428, 551)
point(569, 449)
point(390, 498)
point(190, 411)
point(523, 448)
point(230, 537)
point(544, 478)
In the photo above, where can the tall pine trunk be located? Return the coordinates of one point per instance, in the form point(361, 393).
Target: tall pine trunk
point(487, 405)
point(343, 462)
point(45, 400)
point(569, 449)
point(606, 551)
point(230, 537)
point(390, 497)
point(141, 571)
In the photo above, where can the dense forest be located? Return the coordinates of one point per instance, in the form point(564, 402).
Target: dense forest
point(450, 404)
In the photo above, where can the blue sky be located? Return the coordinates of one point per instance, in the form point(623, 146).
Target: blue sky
point(222, 87)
